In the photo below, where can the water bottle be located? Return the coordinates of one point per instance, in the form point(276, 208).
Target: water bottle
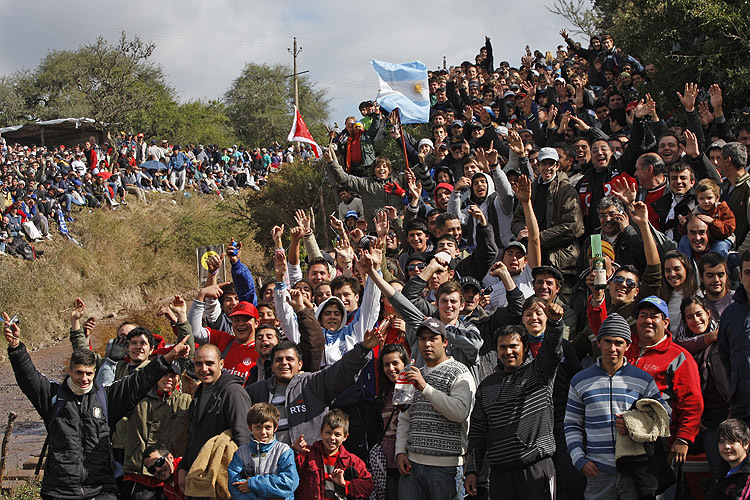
point(404, 392)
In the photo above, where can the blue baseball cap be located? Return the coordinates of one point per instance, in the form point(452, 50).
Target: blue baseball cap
point(654, 301)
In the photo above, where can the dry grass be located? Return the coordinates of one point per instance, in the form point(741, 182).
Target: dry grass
point(132, 260)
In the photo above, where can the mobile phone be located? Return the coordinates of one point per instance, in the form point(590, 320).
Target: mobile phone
point(487, 291)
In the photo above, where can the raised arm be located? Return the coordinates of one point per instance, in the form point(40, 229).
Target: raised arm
point(244, 283)
point(284, 310)
point(534, 251)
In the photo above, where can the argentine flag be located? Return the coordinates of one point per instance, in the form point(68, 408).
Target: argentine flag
point(404, 86)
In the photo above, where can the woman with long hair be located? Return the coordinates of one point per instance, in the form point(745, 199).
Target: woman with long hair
point(391, 361)
point(678, 282)
point(698, 336)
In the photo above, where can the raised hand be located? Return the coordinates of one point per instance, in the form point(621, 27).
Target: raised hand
point(165, 311)
point(394, 188)
point(179, 309)
point(381, 223)
point(374, 336)
point(276, 233)
point(180, 350)
point(11, 331)
point(551, 115)
point(300, 444)
point(279, 265)
point(640, 214)
point(625, 191)
point(77, 312)
point(705, 114)
point(212, 291)
point(515, 143)
point(336, 224)
point(523, 189)
point(296, 299)
point(688, 98)
point(302, 220)
point(463, 183)
point(691, 144)
point(564, 34)
point(564, 121)
point(477, 213)
point(213, 263)
point(89, 326)
point(717, 99)
point(553, 311)
point(234, 251)
point(499, 269)
point(372, 258)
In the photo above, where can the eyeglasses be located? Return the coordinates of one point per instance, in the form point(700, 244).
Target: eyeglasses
point(619, 280)
point(391, 235)
point(156, 465)
point(417, 267)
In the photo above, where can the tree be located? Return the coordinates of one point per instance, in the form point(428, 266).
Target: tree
point(12, 105)
point(700, 41)
point(99, 80)
point(260, 104)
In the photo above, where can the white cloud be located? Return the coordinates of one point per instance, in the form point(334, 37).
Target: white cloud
point(203, 45)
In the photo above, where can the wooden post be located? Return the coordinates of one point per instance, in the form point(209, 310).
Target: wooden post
point(4, 450)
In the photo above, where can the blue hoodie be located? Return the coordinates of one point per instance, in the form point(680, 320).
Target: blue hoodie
point(269, 469)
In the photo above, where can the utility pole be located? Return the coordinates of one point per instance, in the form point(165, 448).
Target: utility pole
point(295, 52)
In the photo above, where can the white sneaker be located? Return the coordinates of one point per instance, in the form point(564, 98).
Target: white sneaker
point(49, 236)
point(114, 203)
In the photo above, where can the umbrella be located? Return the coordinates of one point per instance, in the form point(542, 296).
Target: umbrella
point(105, 175)
point(153, 165)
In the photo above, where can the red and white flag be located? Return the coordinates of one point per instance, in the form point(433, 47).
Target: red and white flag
point(300, 133)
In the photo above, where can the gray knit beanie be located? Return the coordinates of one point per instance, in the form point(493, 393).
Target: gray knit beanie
point(614, 326)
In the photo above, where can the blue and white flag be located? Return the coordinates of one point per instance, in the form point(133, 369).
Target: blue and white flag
point(404, 86)
point(63, 226)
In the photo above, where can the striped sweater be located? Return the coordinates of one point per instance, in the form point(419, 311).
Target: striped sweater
point(512, 421)
point(594, 400)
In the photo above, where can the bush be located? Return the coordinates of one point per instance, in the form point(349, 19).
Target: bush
point(301, 184)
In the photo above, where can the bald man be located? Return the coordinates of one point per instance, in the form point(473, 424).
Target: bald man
point(219, 403)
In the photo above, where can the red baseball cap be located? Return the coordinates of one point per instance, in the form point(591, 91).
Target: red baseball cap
point(244, 309)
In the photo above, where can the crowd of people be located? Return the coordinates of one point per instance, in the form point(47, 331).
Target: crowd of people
point(550, 300)
point(40, 186)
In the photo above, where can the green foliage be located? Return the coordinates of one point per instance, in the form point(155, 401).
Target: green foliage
point(26, 491)
point(196, 122)
point(101, 81)
point(700, 41)
point(12, 105)
point(260, 104)
point(300, 185)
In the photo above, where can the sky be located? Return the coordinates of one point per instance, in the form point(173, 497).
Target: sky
point(204, 45)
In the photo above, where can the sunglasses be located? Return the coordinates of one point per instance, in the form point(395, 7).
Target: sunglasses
point(619, 280)
point(156, 465)
point(417, 267)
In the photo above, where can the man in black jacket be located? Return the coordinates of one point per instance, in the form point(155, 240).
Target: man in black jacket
point(220, 403)
point(79, 414)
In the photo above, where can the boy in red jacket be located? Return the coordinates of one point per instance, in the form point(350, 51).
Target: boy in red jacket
point(326, 469)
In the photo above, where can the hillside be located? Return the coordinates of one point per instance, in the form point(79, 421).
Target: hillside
point(130, 260)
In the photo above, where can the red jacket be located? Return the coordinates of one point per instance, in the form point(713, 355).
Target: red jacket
point(310, 468)
point(676, 375)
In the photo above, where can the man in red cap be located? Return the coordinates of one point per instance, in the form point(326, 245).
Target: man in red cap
point(237, 348)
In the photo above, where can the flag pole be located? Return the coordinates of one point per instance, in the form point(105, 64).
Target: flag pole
point(403, 139)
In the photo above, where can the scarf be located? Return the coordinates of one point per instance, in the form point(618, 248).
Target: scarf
point(78, 391)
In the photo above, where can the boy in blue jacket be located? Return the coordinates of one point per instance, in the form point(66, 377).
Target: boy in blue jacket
point(263, 468)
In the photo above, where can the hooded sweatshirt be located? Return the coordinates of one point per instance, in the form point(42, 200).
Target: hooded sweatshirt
point(342, 339)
